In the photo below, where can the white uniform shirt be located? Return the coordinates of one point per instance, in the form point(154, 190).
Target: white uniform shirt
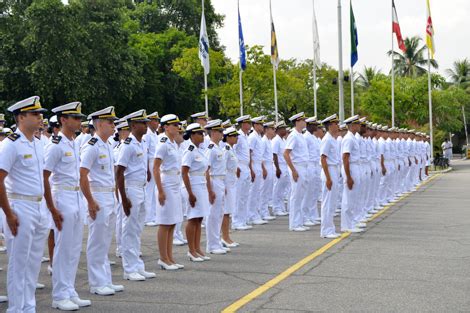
point(151, 141)
point(267, 153)
point(329, 148)
point(256, 145)
point(350, 145)
point(133, 156)
point(279, 146)
point(242, 149)
point(168, 152)
point(97, 156)
point(23, 160)
point(82, 139)
point(195, 159)
point(313, 148)
point(231, 159)
point(62, 159)
point(216, 159)
point(298, 146)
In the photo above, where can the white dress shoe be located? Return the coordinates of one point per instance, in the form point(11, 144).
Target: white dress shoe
point(118, 254)
point(204, 257)
point(112, 262)
point(177, 242)
point(49, 270)
point(116, 288)
point(218, 251)
point(331, 236)
point(102, 291)
point(3, 299)
point(147, 274)
point(151, 224)
point(229, 245)
point(306, 227)
point(44, 259)
point(65, 305)
point(195, 258)
point(133, 276)
point(260, 222)
point(167, 267)
point(269, 218)
point(227, 249)
point(80, 302)
point(309, 223)
point(300, 228)
point(3, 249)
point(280, 213)
point(354, 230)
point(40, 286)
point(361, 225)
point(244, 227)
point(179, 266)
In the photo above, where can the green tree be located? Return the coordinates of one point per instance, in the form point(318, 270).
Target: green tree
point(412, 63)
point(459, 74)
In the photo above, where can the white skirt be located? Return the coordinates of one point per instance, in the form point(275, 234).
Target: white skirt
point(171, 212)
point(201, 207)
point(231, 193)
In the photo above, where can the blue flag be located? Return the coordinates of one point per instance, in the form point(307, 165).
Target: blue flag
point(241, 43)
point(354, 38)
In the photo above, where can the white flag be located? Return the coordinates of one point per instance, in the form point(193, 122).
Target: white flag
point(204, 45)
point(316, 40)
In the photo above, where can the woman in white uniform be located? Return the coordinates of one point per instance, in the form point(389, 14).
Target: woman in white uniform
point(230, 140)
point(166, 171)
point(194, 169)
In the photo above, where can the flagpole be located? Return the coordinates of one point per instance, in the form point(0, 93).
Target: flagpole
point(241, 92)
point(430, 105)
point(205, 94)
point(275, 95)
point(393, 76)
point(352, 90)
point(314, 62)
point(340, 65)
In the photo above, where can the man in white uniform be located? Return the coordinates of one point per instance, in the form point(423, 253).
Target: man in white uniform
point(282, 180)
point(97, 183)
point(21, 198)
point(151, 139)
point(296, 155)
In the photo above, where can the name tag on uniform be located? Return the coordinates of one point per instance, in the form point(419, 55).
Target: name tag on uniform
point(68, 153)
point(102, 156)
point(27, 156)
point(219, 156)
point(139, 154)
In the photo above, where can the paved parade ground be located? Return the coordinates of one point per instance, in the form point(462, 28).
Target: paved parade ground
point(413, 257)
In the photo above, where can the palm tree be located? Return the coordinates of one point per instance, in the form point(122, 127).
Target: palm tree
point(459, 74)
point(411, 63)
point(367, 76)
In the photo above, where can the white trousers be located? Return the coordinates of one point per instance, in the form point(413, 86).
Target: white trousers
point(298, 190)
point(329, 202)
point(230, 203)
point(132, 227)
point(24, 254)
point(118, 231)
point(240, 215)
point(281, 185)
point(254, 197)
point(100, 233)
point(68, 244)
point(309, 202)
point(216, 215)
point(267, 191)
point(349, 201)
point(151, 196)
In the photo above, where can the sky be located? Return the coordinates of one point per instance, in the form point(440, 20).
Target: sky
point(293, 23)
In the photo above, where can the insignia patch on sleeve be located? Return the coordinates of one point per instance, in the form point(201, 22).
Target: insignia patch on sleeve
point(14, 136)
point(56, 139)
point(92, 141)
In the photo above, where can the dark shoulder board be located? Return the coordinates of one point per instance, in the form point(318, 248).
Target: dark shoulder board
point(191, 148)
point(128, 140)
point(227, 147)
point(211, 146)
point(56, 139)
point(164, 139)
point(92, 141)
point(14, 137)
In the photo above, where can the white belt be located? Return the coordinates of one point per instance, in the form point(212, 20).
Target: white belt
point(15, 196)
point(172, 173)
point(218, 176)
point(244, 162)
point(65, 188)
point(134, 183)
point(301, 164)
point(197, 173)
point(232, 172)
point(102, 189)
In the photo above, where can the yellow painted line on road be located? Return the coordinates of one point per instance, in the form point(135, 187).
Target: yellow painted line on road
point(234, 307)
